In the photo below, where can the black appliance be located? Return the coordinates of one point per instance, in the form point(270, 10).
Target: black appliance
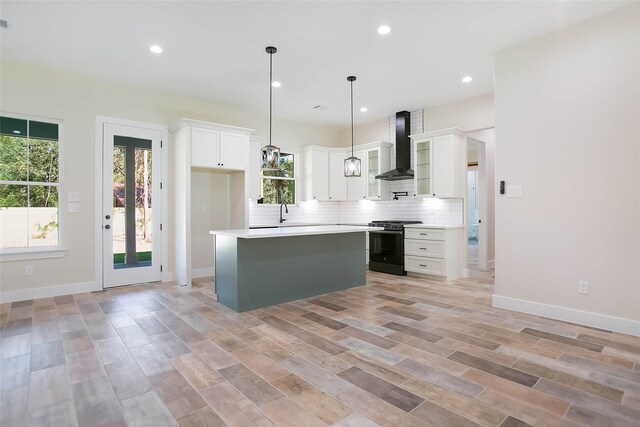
point(386, 247)
point(403, 150)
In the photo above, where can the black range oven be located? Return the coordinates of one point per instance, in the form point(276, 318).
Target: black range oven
point(386, 247)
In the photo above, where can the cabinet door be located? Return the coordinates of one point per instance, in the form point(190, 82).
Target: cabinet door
point(253, 172)
point(422, 172)
point(232, 150)
point(337, 180)
point(320, 175)
point(357, 186)
point(373, 169)
point(443, 166)
point(205, 148)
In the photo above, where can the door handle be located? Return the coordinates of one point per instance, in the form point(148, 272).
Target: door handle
point(107, 226)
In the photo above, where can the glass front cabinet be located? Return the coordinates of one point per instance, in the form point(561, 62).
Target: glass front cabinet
point(440, 163)
point(377, 162)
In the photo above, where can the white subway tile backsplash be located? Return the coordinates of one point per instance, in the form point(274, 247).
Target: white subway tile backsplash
point(432, 211)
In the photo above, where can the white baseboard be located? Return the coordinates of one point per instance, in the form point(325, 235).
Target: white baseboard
point(596, 320)
point(491, 264)
point(48, 291)
point(196, 273)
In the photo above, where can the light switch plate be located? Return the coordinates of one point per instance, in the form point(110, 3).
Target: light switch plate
point(514, 191)
point(74, 196)
point(73, 207)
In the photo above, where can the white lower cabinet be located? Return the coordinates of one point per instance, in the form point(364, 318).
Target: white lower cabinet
point(434, 251)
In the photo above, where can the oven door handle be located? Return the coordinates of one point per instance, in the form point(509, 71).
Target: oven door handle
point(386, 232)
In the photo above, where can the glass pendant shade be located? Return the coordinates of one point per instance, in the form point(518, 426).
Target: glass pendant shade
point(352, 167)
point(270, 158)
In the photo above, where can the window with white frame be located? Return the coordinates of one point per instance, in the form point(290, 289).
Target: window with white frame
point(29, 183)
point(279, 186)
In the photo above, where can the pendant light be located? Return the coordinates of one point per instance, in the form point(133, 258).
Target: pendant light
point(352, 164)
point(270, 153)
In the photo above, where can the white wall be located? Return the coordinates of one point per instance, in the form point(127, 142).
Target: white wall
point(76, 100)
point(568, 131)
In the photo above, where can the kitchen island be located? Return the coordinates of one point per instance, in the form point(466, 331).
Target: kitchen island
point(262, 267)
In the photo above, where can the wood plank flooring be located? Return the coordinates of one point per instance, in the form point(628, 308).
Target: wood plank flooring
point(398, 352)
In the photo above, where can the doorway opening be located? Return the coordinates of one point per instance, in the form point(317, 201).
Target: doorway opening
point(480, 202)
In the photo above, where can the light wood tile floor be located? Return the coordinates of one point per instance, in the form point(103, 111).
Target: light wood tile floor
point(398, 352)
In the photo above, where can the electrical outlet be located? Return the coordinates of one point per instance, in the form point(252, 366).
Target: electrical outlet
point(583, 287)
point(28, 270)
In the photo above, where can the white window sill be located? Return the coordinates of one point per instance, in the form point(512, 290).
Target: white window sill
point(31, 253)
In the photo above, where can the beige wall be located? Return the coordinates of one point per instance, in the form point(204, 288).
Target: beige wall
point(468, 114)
point(568, 131)
point(29, 90)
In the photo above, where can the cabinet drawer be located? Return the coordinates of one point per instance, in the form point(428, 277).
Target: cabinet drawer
point(430, 248)
point(424, 233)
point(425, 265)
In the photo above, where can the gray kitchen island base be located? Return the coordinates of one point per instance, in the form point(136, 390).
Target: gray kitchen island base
point(260, 272)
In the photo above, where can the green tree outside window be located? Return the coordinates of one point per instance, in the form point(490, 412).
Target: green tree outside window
point(279, 186)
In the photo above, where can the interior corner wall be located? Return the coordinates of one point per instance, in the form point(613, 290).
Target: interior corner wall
point(568, 132)
point(76, 100)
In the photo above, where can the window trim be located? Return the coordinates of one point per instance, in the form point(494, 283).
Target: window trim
point(296, 171)
point(42, 252)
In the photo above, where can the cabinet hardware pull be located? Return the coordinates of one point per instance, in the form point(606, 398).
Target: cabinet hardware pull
point(423, 265)
point(107, 226)
point(424, 249)
point(423, 234)
point(107, 217)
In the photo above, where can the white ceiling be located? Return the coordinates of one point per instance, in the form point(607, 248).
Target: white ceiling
point(215, 50)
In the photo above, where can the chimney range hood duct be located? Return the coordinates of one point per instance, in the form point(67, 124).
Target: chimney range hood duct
point(403, 150)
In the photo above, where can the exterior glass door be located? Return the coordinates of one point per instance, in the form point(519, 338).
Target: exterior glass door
point(131, 225)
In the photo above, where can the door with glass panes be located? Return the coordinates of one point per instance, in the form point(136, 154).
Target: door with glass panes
point(131, 205)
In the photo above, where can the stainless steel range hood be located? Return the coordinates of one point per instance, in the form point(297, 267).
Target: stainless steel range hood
point(403, 150)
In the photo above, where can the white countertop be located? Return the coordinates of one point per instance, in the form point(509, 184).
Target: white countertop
point(432, 226)
point(287, 224)
point(292, 231)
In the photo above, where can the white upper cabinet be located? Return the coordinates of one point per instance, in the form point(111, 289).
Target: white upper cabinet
point(357, 185)
point(377, 162)
point(254, 190)
point(216, 146)
point(205, 148)
point(337, 180)
point(440, 163)
point(315, 173)
point(233, 147)
point(323, 173)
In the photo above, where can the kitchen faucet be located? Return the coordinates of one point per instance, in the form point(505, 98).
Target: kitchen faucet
point(286, 210)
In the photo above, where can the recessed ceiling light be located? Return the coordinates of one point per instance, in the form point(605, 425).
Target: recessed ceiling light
point(364, 109)
point(466, 79)
point(276, 84)
point(154, 48)
point(384, 29)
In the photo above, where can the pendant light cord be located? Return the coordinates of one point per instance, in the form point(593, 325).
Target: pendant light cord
point(270, 93)
point(351, 118)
